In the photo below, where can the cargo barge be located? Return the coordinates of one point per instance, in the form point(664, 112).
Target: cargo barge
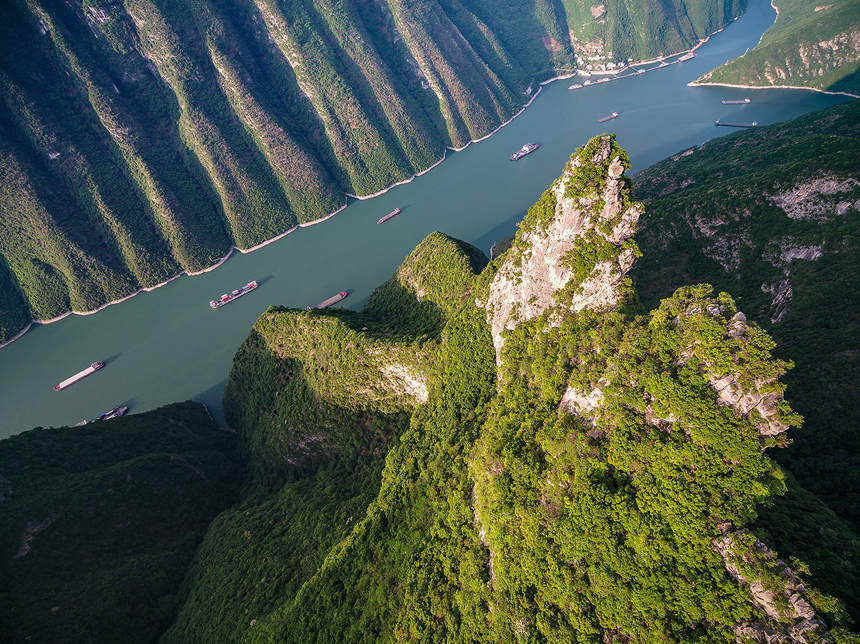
point(728, 124)
point(614, 115)
point(334, 299)
point(390, 215)
point(528, 148)
point(742, 101)
point(226, 299)
point(79, 376)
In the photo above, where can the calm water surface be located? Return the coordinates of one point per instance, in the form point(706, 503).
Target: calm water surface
point(167, 345)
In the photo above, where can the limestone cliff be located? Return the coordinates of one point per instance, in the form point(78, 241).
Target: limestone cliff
point(675, 408)
point(575, 237)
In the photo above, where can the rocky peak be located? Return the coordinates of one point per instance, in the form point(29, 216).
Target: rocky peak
point(573, 249)
point(775, 590)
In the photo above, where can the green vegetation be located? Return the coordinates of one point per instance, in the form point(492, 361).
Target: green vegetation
point(811, 44)
point(98, 524)
point(142, 138)
point(319, 398)
point(619, 30)
point(489, 508)
point(585, 473)
point(771, 215)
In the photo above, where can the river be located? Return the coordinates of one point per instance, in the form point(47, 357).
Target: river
point(167, 345)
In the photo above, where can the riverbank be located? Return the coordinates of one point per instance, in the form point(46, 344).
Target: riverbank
point(223, 259)
point(811, 89)
point(147, 289)
point(619, 74)
point(706, 83)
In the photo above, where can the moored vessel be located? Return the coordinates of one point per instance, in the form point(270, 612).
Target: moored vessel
point(80, 375)
point(227, 298)
point(390, 215)
point(528, 148)
point(614, 115)
point(334, 299)
point(116, 412)
point(729, 124)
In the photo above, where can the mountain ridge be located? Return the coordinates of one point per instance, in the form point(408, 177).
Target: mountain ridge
point(225, 123)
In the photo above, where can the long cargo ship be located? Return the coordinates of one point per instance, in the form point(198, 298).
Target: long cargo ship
point(226, 299)
point(741, 101)
point(728, 124)
point(390, 215)
point(334, 299)
point(528, 148)
point(79, 376)
point(687, 56)
point(614, 115)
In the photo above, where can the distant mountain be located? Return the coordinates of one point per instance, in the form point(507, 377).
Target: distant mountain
point(142, 138)
point(811, 44)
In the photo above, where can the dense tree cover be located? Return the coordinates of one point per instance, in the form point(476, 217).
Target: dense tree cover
point(141, 138)
point(811, 44)
point(609, 477)
point(643, 30)
point(491, 509)
point(317, 414)
point(735, 212)
point(99, 523)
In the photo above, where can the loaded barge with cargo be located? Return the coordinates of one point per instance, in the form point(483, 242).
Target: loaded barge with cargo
point(390, 215)
point(226, 299)
point(79, 376)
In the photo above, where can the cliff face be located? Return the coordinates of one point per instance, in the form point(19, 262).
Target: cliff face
point(141, 138)
point(577, 244)
point(771, 216)
point(467, 460)
point(560, 467)
point(811, 44)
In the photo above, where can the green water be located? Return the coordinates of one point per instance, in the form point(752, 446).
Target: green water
point(167, 345)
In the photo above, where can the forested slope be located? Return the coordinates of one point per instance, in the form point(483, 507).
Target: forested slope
point(139, 138)
point(771, 215)
point(811, 44)
point(509, 452)
point(99, 523)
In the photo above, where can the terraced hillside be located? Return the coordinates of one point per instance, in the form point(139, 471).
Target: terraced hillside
point(811, 44)
point(140, 138)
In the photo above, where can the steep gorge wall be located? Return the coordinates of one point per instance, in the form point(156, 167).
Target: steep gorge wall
point(140, 138)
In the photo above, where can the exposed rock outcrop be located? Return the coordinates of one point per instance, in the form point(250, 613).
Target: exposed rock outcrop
point(806, 200)
point(32, 529)
point(779, 592)
point(574, 236)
